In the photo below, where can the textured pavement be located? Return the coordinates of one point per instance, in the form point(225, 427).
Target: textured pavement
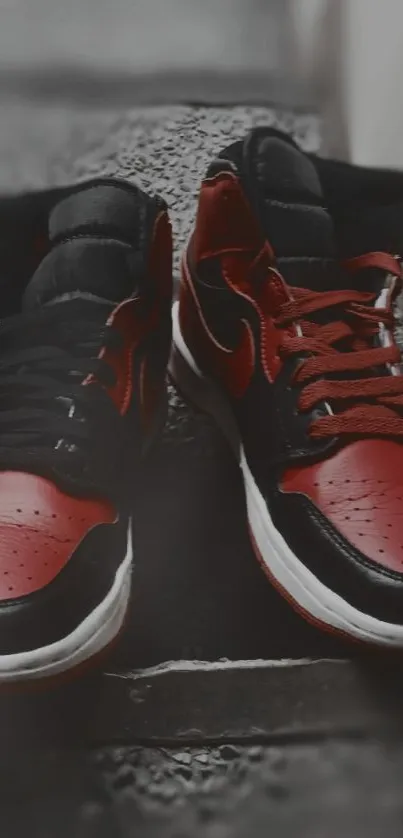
point(307, 790)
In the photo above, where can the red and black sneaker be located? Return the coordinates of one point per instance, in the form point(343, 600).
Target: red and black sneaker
point(293, 353)
point(82, 393)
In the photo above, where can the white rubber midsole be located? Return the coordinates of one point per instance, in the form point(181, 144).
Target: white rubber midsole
point(89, 638)
point(291, 574)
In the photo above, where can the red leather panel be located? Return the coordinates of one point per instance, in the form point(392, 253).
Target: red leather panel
point(265, 289)
point(381, 261)
point(227, 229)
point(153, 365)
point(134, 321)
point(129, 319)
point(360, 490)
point(40, 527)
point(224, 219)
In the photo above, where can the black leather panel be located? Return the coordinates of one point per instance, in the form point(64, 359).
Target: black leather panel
point(367, 586)
point(48, 615)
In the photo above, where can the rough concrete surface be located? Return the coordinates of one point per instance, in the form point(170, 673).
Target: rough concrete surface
point(232, 792)
point(317, 790)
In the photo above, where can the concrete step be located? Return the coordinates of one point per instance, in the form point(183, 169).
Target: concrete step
point(193, 702)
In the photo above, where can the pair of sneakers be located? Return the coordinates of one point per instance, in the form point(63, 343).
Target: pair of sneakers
point(283, 331)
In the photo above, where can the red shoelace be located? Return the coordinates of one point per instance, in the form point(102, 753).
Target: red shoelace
point(363, 406)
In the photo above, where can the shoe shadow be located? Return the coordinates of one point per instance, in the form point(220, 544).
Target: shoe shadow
point(198, 593)
point(198, 590)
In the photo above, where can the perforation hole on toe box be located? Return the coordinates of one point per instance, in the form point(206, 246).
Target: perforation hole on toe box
point(368, 513)
point(365, 507)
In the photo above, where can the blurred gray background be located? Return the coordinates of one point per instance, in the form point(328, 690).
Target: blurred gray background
point(145, 49)
point(139, 34)
point(78, 79)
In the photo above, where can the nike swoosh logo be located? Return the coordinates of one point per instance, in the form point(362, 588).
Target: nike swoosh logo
point(233, 366)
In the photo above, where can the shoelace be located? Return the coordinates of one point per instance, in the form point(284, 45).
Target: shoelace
point(45, 355)
point(371, 405)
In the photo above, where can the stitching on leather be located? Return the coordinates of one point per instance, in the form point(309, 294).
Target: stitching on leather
point(342, 543)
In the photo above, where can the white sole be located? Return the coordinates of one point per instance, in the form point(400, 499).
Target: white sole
point(311, 595)
point(96, 632)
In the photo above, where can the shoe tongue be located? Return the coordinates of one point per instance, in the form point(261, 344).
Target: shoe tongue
point(96, 251)
point(286, 192)
point(367, 229)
